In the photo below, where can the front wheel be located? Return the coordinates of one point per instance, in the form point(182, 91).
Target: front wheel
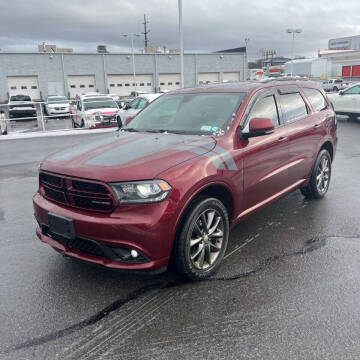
point(203, 239)
point(82, 123)
point(320, 177)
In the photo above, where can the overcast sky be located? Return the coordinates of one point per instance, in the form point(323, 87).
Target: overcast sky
point(209, 25)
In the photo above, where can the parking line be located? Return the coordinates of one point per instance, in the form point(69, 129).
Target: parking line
point(241, 246)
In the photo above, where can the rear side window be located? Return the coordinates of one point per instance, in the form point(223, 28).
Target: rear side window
point(265, 108)
point(316, 99)
point(293, 107)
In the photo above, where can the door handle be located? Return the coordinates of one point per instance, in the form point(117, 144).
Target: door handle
point(282, 138)
point(317, 125)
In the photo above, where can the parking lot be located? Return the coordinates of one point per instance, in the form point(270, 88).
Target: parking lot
point(288, 288)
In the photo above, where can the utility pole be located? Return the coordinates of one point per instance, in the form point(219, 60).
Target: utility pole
point(146, 31)
point(181, 36)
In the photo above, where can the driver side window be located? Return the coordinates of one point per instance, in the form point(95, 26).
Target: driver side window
point(265, 108)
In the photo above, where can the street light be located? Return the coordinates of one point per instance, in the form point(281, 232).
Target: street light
point(245, 57)
point(181, 36)
point(293, 32)
point(131, 35)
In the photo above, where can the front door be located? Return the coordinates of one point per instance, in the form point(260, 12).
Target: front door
point(265, 157)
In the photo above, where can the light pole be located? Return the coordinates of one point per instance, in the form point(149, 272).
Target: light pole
point(131, 35)
point(245, 57)
point(293, 32)
point(181, 44)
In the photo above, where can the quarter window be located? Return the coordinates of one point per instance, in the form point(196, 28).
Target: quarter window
point(293, 107)
point(265, 108)
point(316, 99)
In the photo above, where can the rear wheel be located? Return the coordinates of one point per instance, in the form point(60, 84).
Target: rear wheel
point(203, 239)
point(119, 122)
point(335, 89)
point(82, 123)
point(320, 177)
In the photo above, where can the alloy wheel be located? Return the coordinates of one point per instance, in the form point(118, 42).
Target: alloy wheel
point(206, 239)
point(323, 175)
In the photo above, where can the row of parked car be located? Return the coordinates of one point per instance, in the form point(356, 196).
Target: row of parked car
point(87, 110)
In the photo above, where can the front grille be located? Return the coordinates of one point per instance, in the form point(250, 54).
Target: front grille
point(81, 194)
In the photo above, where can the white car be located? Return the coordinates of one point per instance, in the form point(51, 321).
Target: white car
point(92, 111)
point(347, 102)
point(57, 105)
point(334, 85)
point(3, 124)
point(131, 109)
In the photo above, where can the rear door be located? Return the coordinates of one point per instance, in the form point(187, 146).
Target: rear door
point(349, 101)
point(305, 124)
point(265, 158)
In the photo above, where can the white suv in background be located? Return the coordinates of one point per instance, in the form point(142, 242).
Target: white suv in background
point(94, 110)
point(57, 105)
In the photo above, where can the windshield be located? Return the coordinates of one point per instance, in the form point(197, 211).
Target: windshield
point(99, 103)
point(58, 100)
point(189, 113)
point(20, 98)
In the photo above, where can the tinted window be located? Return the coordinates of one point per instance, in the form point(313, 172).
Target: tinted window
point(265, 108)
point(20, 98)
point(293, 107)
point(353, 91)
point(316, 99)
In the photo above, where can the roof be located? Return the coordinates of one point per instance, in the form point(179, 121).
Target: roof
point(244, 86)
point(150, 97)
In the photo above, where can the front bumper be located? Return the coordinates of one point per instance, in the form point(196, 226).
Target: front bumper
point(146, 229)
point(58, 111)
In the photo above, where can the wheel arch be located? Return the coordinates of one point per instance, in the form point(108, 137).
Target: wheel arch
point(329, 147)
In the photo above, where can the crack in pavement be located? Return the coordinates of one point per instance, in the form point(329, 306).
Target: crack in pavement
point(310, 246)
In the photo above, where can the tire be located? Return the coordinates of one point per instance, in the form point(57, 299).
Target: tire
point(82, 123)
point(73, 124)
point(202, 259)
point(320, 179)
point(335, 89)
point(119, 122)
point(352, 117)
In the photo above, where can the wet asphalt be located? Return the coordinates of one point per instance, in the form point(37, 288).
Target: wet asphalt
point(288, 288)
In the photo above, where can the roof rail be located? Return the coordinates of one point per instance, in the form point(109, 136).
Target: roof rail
point(288, 78)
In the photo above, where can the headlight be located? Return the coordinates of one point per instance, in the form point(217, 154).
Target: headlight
point(141, 191)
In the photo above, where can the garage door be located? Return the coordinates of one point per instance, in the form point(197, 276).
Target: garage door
point(346, 71)
point(81, 84)
point(205, 78)
point(122, 85)
point(168, 82)
point(355, 71)
point(231, 76)
point(24, 85)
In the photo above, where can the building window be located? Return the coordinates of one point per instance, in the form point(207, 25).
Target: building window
point(142, 84)
point(169, 83)
point(13, 88)
point(148, 84)
point(73, 86)
point(23, 87)
point(34, 87)
point(177, 83)
point(127, 84)
point(112, 85)
point(91, 86)
point(119, 85)
point(82, 86)
point(162, 83)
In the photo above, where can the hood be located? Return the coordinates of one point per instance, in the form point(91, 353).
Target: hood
point(105, 111)
point(125, 156)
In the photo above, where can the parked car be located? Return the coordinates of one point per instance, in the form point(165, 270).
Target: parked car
point(347, 102)
point(21, 106)
point(3, 123)
point(91, 111)
point(334, 85)
point(57, 105)
point(131, 109)
point(189, 167)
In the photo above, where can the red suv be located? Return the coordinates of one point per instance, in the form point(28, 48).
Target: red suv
point(187, 168)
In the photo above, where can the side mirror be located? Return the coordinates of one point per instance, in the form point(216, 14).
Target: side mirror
point(259, 127)
point(341, 92)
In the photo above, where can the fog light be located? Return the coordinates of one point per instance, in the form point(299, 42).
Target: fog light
point(134, 253)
